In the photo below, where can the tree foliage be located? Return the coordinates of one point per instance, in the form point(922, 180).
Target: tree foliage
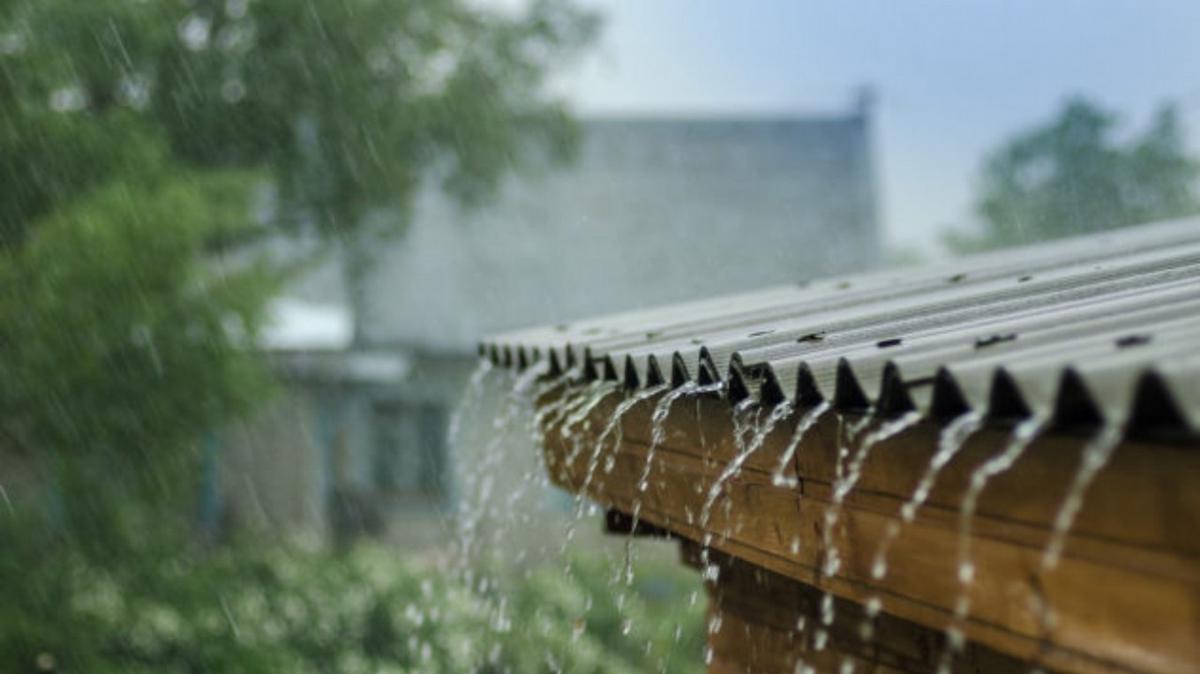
point(347, 104)
point(119, 119)
point(136, 136)
point(137, 140)
point(1075, 175)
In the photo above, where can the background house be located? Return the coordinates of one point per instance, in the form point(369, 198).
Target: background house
point(358, 443)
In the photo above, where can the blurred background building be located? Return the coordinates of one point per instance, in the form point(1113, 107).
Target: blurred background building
point(656, 209)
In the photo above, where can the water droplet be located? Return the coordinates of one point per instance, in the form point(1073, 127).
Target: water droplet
point(195, 32)
point(845, 480)
point(879, 568)
point(236, 9)
point(233, 91)
point(12, 42)
point(68, 99)
point(715, 622)
point(874, 606)
point(1096, 454)
point(966, 573)
point(746, 447)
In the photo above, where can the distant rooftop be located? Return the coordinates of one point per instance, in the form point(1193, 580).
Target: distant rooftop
point(656, 210)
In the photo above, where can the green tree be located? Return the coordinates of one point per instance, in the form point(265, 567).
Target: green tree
point(143, 128)
point(348, 106)
point(135, 140)
point(348, 103)
point(1074, 175)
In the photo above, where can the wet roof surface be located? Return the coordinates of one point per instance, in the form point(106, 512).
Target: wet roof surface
point(1086, 331)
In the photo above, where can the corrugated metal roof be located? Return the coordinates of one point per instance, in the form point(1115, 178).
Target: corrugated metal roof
point(1092, 330)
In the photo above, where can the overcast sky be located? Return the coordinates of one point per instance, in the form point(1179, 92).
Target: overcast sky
point(953, 78)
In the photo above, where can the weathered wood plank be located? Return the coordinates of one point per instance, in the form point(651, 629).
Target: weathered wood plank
point(766, 622)
point(1126, 596)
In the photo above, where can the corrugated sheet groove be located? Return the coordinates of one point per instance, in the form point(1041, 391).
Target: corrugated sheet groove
point(1102, 329)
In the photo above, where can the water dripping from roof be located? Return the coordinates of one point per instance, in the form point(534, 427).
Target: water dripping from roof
point(748, 437)
point(551, 409)
point(593, 464)
point(479, 480)
point(845, 481)
point(746, 447)
point(1022, 436)
point(550, 412)
point(950, 441)
point(658, 427)
point(470, 400)
point(579, 412)
point(658, 434)
point(1096, 455)
point(779, 478)
point(614, 424)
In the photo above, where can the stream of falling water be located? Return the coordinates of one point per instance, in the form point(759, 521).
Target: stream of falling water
point(846, 435)
point(480, 482)
point(710, 572)
point(614, 425)
point(658, 433)
point(539, 474)
point(1096, 454)
point(551, 412)
point(593, 463)
point(572, 411)
point(469, 401)
point(779, 477)
point(540, 420)
point(580, 413)
point(843, 484)
point(468, 405)
point(658, 426)
point(583, 415)
point(950, 441)
point(745, 446)
point(1022, 436)
point(473, 475)
point(478, 478)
